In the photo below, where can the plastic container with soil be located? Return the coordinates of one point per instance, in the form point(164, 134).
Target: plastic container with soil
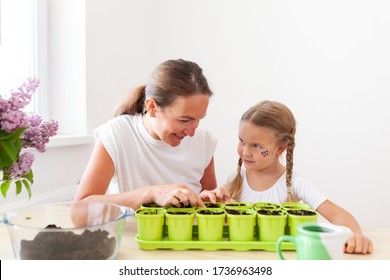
point(271, 224)
point(150, 223)
point(265, 205)
point(213, 205)
point(180, 223)
point(151, 205)
point(294, 205)
point(238, 205)
point(241, 224)
point(297, 217)
point(210, 223)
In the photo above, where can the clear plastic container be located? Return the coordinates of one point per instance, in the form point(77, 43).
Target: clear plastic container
point(67, 230)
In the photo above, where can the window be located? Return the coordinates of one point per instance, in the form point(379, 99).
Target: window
point(19, 47)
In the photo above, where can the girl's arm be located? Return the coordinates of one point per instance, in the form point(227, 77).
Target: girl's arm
point(358, 244)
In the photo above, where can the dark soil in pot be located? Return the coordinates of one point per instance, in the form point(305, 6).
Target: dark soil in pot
point(148, 212)
point(236, 204)
point(182, 206)
point(236, 212)
point(207, 212)
point(270, 212)
point(179, 213)
point(212, 205)
point(68, 246)
point(151, 205)
point(301, 212)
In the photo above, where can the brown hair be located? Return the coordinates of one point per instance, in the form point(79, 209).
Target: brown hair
point(276, 116)
point(169, 80)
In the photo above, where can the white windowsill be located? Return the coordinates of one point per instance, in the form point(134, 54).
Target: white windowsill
point(69, 140)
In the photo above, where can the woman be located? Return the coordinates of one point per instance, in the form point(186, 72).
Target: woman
point(143, 155)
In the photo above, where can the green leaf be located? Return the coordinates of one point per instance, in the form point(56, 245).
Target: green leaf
point(13, 135)
point(28, 188)
point(29, 176)
point(18, 187)
point(5, 187)
point(9, 152)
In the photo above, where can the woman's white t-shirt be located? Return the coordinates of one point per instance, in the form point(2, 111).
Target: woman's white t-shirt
point(140, 160)
point(301, 189)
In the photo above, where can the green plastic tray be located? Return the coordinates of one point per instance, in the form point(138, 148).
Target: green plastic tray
point(225, 244)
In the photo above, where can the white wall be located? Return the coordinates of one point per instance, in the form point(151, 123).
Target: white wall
point(327, 60)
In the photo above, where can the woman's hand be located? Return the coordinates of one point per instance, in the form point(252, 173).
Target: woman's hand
point(219, 194)
point(359, 244)
point(176, 195)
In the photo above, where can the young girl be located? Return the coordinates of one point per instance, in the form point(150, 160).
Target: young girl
point(267, 130)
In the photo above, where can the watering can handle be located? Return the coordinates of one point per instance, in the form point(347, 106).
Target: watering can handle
point(287, 238)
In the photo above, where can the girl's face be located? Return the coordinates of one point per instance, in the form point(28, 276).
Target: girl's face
point(257, 147)
point(172, 123)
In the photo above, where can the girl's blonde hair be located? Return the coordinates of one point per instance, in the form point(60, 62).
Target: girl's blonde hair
point(277, 117)
point(171, 79)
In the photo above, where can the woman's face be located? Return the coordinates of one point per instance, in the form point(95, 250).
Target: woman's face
point(180, 119)
point(257, 146)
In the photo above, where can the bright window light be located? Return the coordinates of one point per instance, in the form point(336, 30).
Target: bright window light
point(17, 44)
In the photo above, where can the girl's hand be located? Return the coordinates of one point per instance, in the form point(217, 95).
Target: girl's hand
point(176, 195)
point(219, 194)
point(359, 244)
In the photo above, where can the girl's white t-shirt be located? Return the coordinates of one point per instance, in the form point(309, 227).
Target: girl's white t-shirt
point(140, 160)
point(301, 189)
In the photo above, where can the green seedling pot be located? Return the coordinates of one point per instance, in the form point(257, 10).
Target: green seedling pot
point(180, 223)
point(189, 206)
point(297, 217)
point(150, 223)
point(294, 205)
point(271, 224)
point(210, 226)
point(151, 206)
point(238, 205)
point(265, 205)
point(213, 205)
point(241, 224)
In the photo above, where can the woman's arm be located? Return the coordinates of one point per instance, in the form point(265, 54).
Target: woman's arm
point(339, 216)
point(99, 172)
point(209, 181)
point(97, 175)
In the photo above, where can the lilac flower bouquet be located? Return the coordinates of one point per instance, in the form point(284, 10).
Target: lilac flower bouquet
point(18, 131)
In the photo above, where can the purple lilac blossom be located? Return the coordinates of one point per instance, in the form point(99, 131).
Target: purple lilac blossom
point(38, 133)
point(11, 116)
point(22, 166)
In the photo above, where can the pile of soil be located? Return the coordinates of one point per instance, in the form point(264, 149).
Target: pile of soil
point(68, 246)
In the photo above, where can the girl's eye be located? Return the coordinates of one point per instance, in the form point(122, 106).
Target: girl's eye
point(184, 121)
point(257, 146)
point(240, 141)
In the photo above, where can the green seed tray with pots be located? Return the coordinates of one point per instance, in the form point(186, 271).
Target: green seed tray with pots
point(225, 244)
point(187, 237)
